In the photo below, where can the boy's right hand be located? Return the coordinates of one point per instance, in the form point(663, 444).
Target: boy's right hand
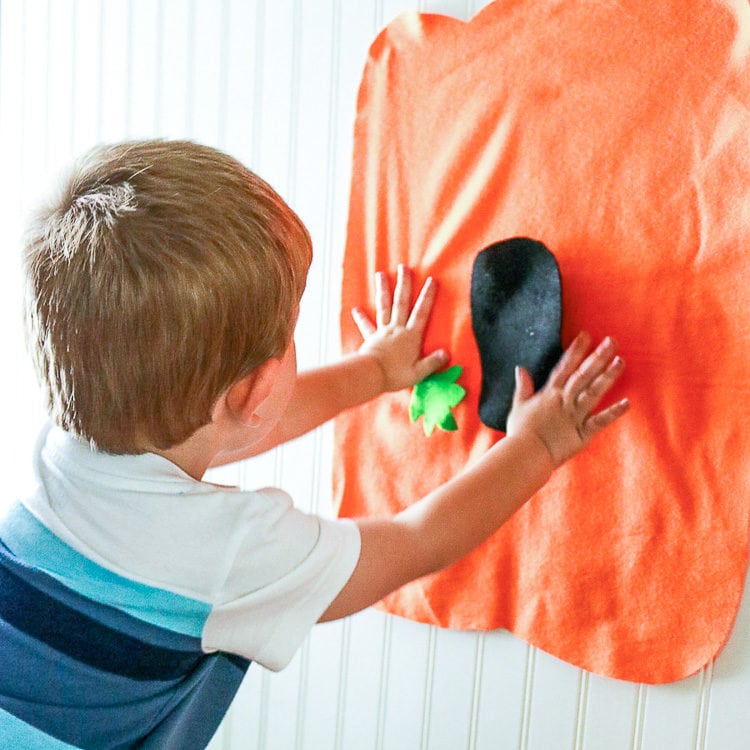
point(560, 414)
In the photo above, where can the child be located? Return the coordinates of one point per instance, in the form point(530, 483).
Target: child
point(163, 290)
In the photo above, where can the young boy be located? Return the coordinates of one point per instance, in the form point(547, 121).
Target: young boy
point(163, 290)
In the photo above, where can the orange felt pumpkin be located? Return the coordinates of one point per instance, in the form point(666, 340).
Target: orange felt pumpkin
point(618, 134)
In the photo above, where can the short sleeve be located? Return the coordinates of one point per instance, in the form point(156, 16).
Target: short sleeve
point(286, 571)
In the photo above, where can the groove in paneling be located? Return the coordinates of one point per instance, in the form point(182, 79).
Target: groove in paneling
point(639, 717)
point(190, 72)
point(476, 690)
point(330, 187)
point(429, 683)
point(259, 43)
point(294, 107)
point(528, 693)
point(704, 706)
point(159, 63)
point(22, 74)
point(302, 685)
point(343, 684)
point(378, 15)
point(73, 76)
point(100, 76)
point(384, 686)
point(129, 52)
point(580, 725)
point(263, 699)
point(47, 79)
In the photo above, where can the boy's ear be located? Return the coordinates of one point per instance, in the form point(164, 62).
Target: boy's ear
point(246, 396)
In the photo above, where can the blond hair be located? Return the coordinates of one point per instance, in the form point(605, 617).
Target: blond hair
point(163, 272)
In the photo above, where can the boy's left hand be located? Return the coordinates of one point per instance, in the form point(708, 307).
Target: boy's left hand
point(396, 340)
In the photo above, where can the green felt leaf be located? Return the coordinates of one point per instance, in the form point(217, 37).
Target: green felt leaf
point(434, 397)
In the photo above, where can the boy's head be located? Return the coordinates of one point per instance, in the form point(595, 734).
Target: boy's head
point(162, 273)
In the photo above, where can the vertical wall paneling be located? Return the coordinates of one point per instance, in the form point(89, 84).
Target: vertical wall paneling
point(404, 700)
point(87, 81)
point(175, 24)
point(144, 56)
point(500, 702)
point(527, 696)
point(707, 675)
point(115, 70)
point(275, 84)
point(60, 75)
point(364, 682)
point(638, 717)
point(449, 688)
point(582, 710)
point(384, 683)
point(205, 56)
point(239, 76)
point(672, 714)
point(727, 717)
point(611, 708)
point(555, 700)
point(476, 689)
point(35, 91)
point(19, 173)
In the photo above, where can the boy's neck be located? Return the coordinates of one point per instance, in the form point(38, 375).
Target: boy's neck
point(195, 454)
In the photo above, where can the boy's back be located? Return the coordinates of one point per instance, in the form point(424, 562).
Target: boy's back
point(163, 291)
point(161, 274)
point(127, 574)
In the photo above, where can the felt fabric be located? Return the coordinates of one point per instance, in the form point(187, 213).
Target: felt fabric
point(516, 315)
point(434, 398)
point(617, 133)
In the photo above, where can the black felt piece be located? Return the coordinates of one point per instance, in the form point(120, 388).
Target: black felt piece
point(516, 311)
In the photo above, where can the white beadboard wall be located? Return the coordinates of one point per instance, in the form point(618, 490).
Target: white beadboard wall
point(274, 83)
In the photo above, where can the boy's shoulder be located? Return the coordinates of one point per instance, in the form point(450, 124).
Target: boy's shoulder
point(142, 516)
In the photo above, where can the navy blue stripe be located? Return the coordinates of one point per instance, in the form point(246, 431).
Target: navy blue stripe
point(50, 618)
point(100, 610)
point(97, 710)
point(34, 544)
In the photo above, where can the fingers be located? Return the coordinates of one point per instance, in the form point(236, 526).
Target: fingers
point(383, 299)
point(589, 382)
point(524, 389)
point(570, 360)
point(581, 387)
point(363, 322)
point(396, 309)
point(422, 309)
point(431, 363)
point(593, 393)
point(402, 296)
point(604, 418)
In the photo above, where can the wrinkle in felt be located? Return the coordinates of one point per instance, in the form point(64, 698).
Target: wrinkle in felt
point(618, 134)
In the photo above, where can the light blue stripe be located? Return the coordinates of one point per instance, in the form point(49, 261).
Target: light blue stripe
point(19, 735)
point(34, 544)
